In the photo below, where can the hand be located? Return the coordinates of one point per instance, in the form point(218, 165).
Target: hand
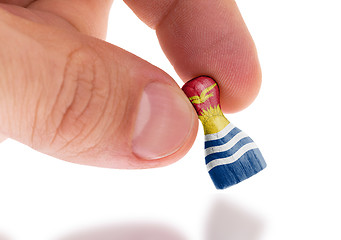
point(66, 93)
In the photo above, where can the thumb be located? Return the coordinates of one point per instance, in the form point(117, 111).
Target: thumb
point(2, 138)
point(83, 100)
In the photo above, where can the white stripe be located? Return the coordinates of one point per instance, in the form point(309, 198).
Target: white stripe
point(222, 133)
point(232, 158)
point(227, 145)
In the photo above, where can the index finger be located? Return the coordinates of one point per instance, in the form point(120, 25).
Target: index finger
point(206, 38)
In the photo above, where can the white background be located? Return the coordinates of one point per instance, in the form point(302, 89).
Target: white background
point(295, 121)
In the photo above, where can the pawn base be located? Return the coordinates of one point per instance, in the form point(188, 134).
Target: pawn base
point(224, 176)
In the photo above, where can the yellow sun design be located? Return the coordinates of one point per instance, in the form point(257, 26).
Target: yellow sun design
point(213, 120)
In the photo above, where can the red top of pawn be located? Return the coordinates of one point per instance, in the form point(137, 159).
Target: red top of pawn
point(203, 92)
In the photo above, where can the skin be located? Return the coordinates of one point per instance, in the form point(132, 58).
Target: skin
point(53, 54)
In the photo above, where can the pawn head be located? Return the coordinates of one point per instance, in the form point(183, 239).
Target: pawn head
point(203, 92)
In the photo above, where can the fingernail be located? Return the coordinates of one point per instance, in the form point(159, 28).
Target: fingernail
point(165, 120)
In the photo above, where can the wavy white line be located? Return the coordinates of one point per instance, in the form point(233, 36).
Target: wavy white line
point(233, 158)
point(226, 146)
point(222, 133)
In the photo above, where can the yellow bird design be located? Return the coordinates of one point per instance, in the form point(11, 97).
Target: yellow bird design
point(203, 96)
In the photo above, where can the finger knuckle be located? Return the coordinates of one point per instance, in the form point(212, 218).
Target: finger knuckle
point(81, 100)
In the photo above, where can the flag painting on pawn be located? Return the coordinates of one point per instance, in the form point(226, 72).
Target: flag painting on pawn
point(231, 156)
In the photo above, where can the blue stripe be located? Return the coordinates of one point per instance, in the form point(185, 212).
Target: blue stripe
point(250, 163)
point(222, 140)
point(228, 152)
